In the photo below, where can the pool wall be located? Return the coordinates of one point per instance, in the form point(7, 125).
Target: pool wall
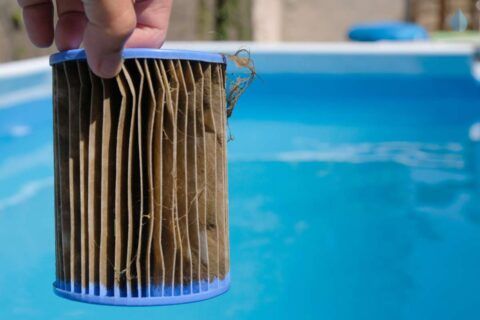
point(335, 58)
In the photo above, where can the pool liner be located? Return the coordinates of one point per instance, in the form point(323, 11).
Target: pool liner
point(141, 199)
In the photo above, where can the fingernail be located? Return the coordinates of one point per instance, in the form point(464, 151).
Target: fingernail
point(109, 66)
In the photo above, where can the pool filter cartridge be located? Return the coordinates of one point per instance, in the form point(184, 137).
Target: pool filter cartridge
point(141, 206)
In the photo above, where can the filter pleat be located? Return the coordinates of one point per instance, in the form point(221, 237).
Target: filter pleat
point(211, 160)
point(170, 241)
point(182, 192)
point(141, 212)
point(121, 188)
point(218, 114)
point(84, 122)
point(192, 188)
point(201, 174)
point(94, 182)
point(107, 189)
point(58, 96)
point(174, 80)
point(224, 150)
point(157, 262)
point(148, 218)
point(63, 154)
point(73, 81)
point(131, 187)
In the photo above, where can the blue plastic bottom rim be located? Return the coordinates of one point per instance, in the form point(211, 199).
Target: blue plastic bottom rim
point(222, 287)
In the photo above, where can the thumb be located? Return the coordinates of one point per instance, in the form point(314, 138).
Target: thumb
point(110, 24)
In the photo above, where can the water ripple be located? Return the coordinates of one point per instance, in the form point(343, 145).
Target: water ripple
point(411, 154)
point(26, 192)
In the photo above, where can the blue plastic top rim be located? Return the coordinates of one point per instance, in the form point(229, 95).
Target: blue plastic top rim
point(134, 53)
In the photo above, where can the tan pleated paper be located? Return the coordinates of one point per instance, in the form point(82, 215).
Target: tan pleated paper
point(141, 179)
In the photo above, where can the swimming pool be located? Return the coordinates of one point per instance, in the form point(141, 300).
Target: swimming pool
point(354, 189)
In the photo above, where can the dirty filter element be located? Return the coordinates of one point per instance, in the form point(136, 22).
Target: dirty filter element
point(141, 204)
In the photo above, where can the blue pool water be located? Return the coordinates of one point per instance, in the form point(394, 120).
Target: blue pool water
point(352, 196)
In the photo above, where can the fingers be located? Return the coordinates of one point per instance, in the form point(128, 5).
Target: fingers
point(152, 23)
point(70, 25)
point(110, 24)
point(38, 16)
point(146, 37)
point(103, 25)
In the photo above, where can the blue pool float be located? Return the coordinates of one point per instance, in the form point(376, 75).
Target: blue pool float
point(390, 31)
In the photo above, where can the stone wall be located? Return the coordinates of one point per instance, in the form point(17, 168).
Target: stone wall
point(318, 20)
point(329, 20)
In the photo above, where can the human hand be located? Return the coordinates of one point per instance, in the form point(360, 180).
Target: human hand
point(104, 26)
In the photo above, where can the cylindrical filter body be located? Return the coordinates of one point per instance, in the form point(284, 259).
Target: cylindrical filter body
point(141, 204)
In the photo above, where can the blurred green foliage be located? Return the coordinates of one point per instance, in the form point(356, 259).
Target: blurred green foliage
point(16, 19)
point(232, 20)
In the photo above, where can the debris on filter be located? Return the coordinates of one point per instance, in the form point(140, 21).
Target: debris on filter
point(239, 83)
